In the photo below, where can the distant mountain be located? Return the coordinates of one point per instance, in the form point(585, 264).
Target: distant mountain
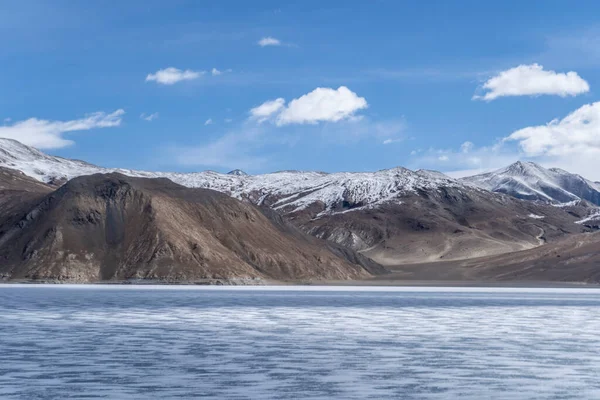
point(393, 216)
point(113, 227)
point(237, 172)
point(285, 191)
point(530, 181)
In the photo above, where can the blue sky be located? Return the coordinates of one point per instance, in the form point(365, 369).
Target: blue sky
point(80, 79)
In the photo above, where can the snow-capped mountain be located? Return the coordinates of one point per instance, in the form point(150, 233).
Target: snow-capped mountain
point(530, 181)
point(287, 191)
point(392, 216)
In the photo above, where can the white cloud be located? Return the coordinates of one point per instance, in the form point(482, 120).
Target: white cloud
point(269, 41)
point(320, 105)
point(251, 145)
point(208, 122)
point(576, 134)
point(46, 134)
point(215, 72)
point(267, 109)
point(571, 143)
point(149, 117)
point(390, 141)
point(533, 80)
point(170, 76)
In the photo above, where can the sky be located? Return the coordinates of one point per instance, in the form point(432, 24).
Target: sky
point(184, 85)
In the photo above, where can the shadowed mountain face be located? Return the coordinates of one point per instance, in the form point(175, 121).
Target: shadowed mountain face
point(530, 181)
point(112, 227)
point(17, 192)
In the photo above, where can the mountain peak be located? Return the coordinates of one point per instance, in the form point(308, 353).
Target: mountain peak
point(237, 172)
point(523, 168)
point(530, 181)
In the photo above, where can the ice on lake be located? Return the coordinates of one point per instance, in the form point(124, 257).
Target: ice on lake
point(136, 342)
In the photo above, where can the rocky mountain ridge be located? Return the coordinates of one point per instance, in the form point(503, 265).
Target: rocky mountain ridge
point(113, 227)
point(287, 191)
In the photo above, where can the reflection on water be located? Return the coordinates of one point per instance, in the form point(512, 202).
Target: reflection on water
point(290, 343)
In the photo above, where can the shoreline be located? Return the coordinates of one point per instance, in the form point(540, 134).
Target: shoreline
point(362, 284)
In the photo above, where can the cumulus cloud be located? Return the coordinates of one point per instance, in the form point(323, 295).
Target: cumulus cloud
point(208, 122)
point(171, 75)
point(533, 80)
point(267, 109)
point(571, 143)
point(149, 117)
point(216, 72)
point(269, 41)
point(576, 134)
point(320, 105)
point(45, 134)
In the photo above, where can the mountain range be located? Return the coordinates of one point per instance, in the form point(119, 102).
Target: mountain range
point(107, 227)
point(393, 217)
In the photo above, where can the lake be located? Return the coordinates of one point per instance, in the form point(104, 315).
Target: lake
point(136, 342)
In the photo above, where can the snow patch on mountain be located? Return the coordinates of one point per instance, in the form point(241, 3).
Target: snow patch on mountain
point(595, 216)
point(286, 191)
point(573, 203)
point(534, 216)
point(530, 181)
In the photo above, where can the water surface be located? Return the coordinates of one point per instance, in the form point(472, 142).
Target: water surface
point(129, 342)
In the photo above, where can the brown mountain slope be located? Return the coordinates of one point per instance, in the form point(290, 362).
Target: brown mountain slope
point(112, 227)
point(446, 224)
point(17, 192)
point(572, 259)
point(11, 179)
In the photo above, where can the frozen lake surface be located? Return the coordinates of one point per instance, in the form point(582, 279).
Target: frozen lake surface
point(129, 342)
